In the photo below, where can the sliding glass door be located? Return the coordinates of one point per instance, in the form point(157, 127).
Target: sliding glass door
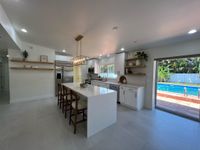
point(178, 86)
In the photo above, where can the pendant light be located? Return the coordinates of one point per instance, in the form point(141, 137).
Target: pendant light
point(79, 59)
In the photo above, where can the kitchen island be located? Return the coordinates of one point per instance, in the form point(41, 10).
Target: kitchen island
point(101, 106)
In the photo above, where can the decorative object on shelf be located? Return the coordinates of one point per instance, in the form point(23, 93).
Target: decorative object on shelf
point(43, 58)
point(83, 85)
point(130, 55)
point(122, 79)
point(79, 59)
point(130, 64)
point(141, 56)
point(25, 55)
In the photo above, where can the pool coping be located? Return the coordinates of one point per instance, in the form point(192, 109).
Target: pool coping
point(177, 96)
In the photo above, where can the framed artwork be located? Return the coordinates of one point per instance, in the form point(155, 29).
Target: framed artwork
point(43, 58)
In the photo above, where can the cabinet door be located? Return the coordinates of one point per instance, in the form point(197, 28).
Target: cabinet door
point(121, 95)
point(131, 97)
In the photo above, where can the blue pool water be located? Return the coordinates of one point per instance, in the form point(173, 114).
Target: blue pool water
point(191, 90)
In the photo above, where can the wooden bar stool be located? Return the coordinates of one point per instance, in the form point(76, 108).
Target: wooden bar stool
point(66, 100)
point(78, 106)
point(60, 95)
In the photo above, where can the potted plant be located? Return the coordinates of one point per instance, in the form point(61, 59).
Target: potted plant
point(141, 56)
point(25, 55)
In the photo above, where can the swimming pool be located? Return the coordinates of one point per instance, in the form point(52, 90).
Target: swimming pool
point(191, 90)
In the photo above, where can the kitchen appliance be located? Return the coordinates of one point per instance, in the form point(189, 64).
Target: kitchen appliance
point(63, 73)
point(91, 70)
point(116, 88)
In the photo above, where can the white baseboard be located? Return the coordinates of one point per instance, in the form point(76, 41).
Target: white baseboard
point(31, 98)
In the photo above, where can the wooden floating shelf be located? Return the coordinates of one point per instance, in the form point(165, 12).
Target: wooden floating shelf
point(136, 74)
point(34, 62)
point(22, 68)
point(135, 66)
point(131, 59)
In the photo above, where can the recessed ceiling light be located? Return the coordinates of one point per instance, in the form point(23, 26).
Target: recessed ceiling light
point(192, 31)
point(24, 30)
point(8, 56)
point(63, 50)
point(122, 49)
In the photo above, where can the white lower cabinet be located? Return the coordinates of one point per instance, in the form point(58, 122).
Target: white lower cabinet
point(122, 95)
point(132, 97)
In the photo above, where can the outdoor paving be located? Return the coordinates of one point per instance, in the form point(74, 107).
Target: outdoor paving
point(186, 108)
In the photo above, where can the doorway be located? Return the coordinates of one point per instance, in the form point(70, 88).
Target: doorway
point(178, 86)
point(4, 78)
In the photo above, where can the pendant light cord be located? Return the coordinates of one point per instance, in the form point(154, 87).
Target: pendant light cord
point(80, 47)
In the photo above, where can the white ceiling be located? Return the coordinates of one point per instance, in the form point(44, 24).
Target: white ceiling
point(5, 40)
point(55, 23)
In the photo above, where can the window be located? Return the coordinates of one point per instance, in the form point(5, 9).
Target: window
point(108, 71)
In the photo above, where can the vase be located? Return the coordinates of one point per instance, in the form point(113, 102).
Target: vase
point(138, 62)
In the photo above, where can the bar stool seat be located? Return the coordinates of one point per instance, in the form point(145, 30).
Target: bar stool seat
point(81, 104)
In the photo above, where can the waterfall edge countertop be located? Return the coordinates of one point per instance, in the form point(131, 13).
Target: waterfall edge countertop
point(101, 106)
point(89, 90)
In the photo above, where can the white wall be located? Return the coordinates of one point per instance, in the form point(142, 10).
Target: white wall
point(93, 63)
point(64, 58)
point(119, 63)
point(107, 60)
point(179, 49)
point(26, 85)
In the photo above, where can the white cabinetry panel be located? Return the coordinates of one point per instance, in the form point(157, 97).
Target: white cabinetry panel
point(132, 97)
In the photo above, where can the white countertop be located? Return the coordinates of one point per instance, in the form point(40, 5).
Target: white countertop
point(89, 91)
point(120, 84)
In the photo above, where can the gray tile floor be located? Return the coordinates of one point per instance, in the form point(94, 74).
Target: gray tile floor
point(4, 97)
point(39, 125)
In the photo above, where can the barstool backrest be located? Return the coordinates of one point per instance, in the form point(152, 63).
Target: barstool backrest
point(75, 97)
point(60, 90)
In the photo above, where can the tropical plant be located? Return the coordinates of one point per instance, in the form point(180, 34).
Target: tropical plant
point(141, 55)
point(163, 74)
point(182, 65)
point(25, 54)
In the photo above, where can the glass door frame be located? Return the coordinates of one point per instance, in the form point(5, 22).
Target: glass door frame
point(155, 89)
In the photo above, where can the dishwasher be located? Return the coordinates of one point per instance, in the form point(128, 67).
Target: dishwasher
point(115, 87)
